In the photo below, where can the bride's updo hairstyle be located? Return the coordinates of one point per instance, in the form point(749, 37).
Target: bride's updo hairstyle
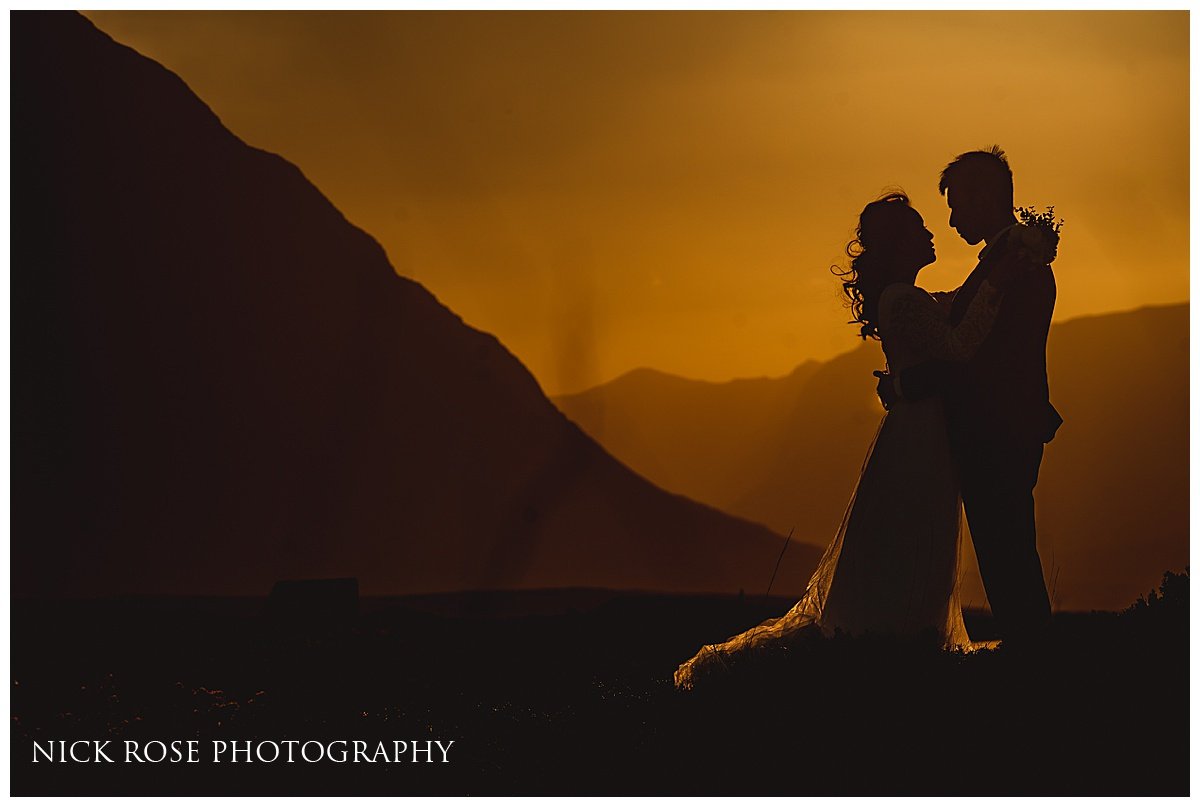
point(879, 226)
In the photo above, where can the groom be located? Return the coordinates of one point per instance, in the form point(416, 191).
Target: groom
point(997, 404)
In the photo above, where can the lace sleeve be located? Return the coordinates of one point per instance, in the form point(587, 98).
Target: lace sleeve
point(921, 321)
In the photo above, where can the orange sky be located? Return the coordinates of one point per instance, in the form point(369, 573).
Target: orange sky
point(610, 190)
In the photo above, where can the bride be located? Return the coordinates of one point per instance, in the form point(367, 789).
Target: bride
point(893, 567)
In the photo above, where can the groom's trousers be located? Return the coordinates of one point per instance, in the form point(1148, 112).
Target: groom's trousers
point(997, 477)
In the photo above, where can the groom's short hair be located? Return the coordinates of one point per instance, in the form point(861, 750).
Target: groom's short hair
point(986, 170)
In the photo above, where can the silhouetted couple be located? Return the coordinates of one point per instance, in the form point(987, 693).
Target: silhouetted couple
point(968, 416)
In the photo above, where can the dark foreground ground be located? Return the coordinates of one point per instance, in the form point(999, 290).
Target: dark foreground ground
point(570, 692)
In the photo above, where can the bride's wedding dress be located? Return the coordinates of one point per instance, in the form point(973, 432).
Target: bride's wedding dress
point(893, 566)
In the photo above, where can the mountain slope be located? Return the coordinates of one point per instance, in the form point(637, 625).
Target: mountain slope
point(219, 382)
point(1112, 496)
point(668, 427)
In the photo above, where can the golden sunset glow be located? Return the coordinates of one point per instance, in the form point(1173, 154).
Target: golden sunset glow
point(474, 388)
point(604, 191)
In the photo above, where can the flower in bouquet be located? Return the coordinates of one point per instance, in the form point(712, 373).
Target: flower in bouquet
point(1036, 235)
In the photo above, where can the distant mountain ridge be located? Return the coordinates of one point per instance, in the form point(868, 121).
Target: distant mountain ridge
point(219, 382)
point(687, 422)
point(1112, 497)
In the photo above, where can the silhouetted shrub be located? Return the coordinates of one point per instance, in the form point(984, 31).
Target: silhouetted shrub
point(1171, 597)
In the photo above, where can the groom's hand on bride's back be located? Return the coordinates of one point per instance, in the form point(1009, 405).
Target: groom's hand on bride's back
point(924, 380)
point(929, 378)
point(885, 389)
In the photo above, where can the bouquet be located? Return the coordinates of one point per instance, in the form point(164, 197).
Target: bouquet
point(1036, 235)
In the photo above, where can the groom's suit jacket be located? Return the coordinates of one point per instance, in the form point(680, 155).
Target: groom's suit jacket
point(1003, 390)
